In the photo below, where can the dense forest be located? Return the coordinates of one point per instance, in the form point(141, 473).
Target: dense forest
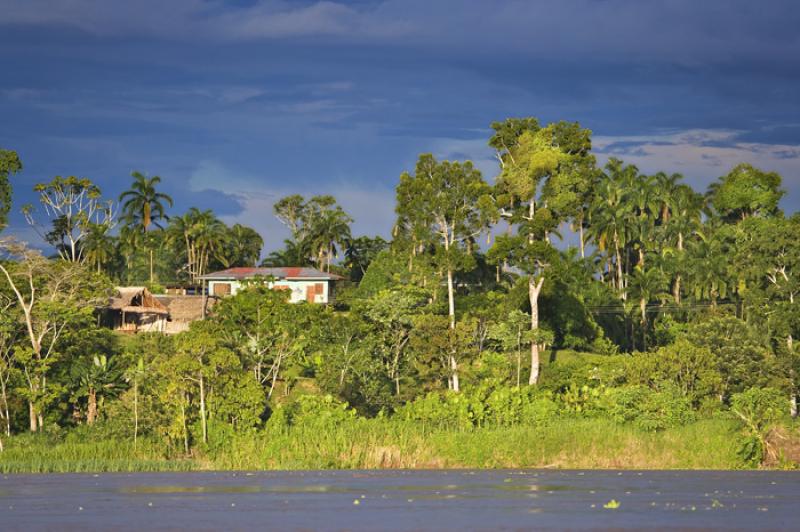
point(560, 298)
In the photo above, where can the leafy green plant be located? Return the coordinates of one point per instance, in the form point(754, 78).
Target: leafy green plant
point(759, 409)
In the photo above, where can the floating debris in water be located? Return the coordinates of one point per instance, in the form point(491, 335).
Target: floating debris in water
point(611, 505)
point(356, 502)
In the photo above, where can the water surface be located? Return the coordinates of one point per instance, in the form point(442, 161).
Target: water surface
point(402, 500)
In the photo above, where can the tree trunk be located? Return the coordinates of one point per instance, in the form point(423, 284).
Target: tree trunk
point(452, 312)
point(135, 412)
point(6, 413)
point(151, 267)
point(643, 309)
point(203, 409)
point(534, 288)
point(185, 429)
point(519, 355)
point(580, 236)
point(34, 425)
point(91, 409)
point(620, 278)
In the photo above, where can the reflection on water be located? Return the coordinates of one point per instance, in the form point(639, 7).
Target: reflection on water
point(399, 500)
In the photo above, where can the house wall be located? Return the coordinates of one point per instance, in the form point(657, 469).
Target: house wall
point(299, 289)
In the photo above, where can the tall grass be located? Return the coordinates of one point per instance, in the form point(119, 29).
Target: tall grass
point(390, 443)
point(44, 454)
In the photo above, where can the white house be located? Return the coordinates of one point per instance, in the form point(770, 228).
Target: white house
point(306, 284)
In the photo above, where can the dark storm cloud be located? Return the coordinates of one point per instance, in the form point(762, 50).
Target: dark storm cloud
point(235, 102)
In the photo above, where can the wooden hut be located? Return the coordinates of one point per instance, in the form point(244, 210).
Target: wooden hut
point(134, 309)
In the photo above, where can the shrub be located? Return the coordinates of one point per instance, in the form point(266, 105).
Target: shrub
point(759, 409)
point(648, 409)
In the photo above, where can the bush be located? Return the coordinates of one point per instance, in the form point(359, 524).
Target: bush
point(759, 409)
point(647, 409)
point(310, 410)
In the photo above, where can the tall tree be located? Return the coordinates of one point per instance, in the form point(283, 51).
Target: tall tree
point(202, 236)
point(318, 226)
point(74, 206)
point(543, 195)
point(9, 165)
point(55, 298)
point(143, 206)
point(746, 191)
point(448, 196)
point(242, 247)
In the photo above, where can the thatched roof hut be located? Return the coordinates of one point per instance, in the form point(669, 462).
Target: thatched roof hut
point(134, 308)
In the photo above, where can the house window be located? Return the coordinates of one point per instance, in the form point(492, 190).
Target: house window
point(222, 289)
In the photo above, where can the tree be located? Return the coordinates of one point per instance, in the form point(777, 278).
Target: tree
point(200, 359)
point(746, 191)
point(142, 206)
point(54, 297)
point(317, 225)
point(74, 206)
point(98, 246)
point(684, 219)
point(447, 195)
point(542, 196)
point(265, 329)
point(98, 378)
point(332, 228)
point(768, 258)
point(242, 247)
point(743, 358)
point(9, 165)
point(646, 285)
point(391, 314)
point(513, 335)
point(202, 236)
point(360, 253)
point(10, 334)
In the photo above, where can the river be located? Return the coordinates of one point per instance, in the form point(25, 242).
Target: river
point(402, 500)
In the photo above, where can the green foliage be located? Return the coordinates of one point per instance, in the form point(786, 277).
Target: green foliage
point(648, 409)
point(9, 165)
point(746, 191)
point(661, 317)
point(690, 369)
point(759, 409)
point(742, 356)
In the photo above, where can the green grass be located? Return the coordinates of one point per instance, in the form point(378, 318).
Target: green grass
point(380, 443)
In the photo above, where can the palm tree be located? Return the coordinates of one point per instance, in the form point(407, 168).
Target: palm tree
point(243, 247)
point(202, 235)
point(292, 254)
point(609, 219)
point(98, 246)
point(332, 227)
point(143, 206)
point(686, 210)
point(708, 270)
point(647, 285)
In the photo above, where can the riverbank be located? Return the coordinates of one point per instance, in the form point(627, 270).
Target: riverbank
point(380, 443)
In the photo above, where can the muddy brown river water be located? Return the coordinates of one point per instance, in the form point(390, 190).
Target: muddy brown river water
point(403, 500)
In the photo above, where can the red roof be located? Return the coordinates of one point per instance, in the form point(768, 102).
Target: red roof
point(288, 273)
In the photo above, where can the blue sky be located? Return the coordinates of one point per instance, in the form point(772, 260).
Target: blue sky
point(236, 103)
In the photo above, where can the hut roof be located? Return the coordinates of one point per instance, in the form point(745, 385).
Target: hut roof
point(185, 308)
point(136, 299)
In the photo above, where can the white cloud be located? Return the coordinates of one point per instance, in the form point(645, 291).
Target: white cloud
point(371, 208)
point(702, 155)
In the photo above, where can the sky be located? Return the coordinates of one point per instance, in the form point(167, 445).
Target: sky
point(236, 103)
